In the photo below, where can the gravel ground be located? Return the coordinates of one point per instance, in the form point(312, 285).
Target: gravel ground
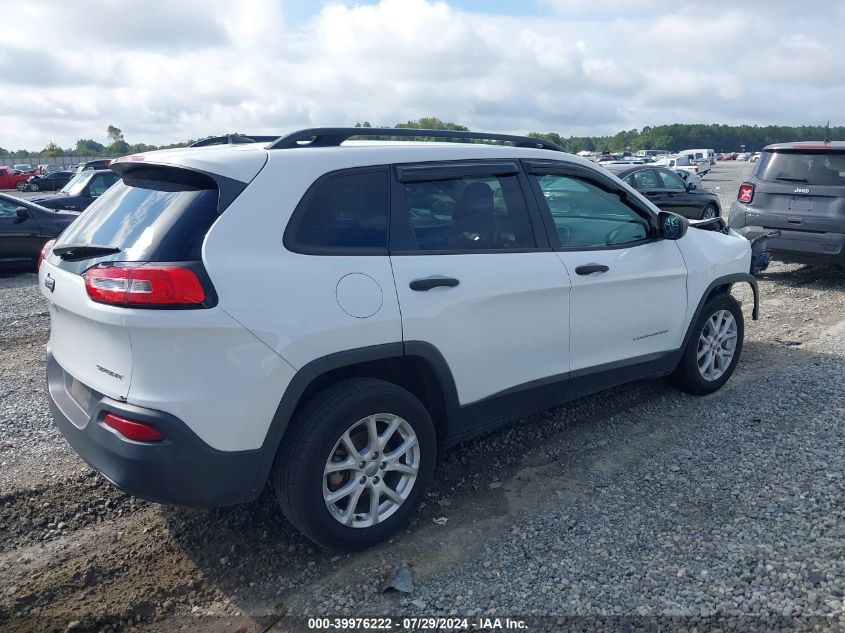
point(636, 508)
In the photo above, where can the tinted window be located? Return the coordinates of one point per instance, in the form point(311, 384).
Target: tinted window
point(671, 181)
point(586, 216)
point(75, 186)
point(7, 209)
point(643, 179)
point(343, 211)
point(100, 183)
point(467, 214)
point(151, 215)
point(813, 167)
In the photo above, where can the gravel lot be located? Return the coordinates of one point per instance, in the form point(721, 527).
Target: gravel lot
point(637, 508)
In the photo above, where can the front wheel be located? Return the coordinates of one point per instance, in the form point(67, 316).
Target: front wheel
point(355, 463)
point(33, 187)
point(710, 212)
point(713, 350)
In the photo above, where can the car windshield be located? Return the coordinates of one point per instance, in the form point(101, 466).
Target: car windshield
point(812, 167)
point(78, 183)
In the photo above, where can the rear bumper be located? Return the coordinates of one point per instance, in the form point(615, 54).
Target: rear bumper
point(805, 247)
point(180, 470)
point(802, 247)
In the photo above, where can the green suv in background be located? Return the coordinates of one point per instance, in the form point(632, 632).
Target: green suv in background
point(797, 189)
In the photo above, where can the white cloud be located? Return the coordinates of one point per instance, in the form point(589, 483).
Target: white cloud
point(166, 71)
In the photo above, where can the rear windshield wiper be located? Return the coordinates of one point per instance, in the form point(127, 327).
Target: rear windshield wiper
point(790, 179)
point(84, 251)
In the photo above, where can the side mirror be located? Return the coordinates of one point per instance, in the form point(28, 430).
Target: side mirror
point(22, 213)
point(672, 225)
point(691, 185)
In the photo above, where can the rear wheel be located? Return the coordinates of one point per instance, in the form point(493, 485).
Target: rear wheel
point(355, 463)
point(713, 350)
point(33, 187)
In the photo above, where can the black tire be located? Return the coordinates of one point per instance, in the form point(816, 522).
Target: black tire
point(713, 209)
point(687, 376)
point(299, 470)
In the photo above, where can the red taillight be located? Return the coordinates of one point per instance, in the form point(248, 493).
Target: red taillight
point(144, 285)
point(132, 429)
point(45, 250)
point(746, 193)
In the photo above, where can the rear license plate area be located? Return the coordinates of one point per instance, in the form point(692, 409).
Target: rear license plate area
point(81, 394)
point(801, 205)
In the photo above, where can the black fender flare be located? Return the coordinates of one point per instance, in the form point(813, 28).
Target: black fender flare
point(725, 280)
point(346, 358)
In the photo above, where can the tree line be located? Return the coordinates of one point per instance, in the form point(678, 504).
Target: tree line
point(116, 145)
point(675, 137)
point(679, 136)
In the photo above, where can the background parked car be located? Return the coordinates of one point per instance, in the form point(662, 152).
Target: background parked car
point(798, 190)
point(689, 178)
point(668, 192)
point(94, 164)
point(10, 178)
point(85, 187)
point(24, 228)
point(52, 181)
point(24, 167)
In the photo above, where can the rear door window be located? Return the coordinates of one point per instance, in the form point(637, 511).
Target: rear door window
point(804, 167)
point(151, 214)
point(643, 179)
point(671, 181)
point(343, 212)
point(473, 213)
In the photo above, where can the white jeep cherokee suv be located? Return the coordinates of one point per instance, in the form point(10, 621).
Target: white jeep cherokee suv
point(331, 314)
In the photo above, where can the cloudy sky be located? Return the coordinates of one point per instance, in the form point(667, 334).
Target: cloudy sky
point(170, 70)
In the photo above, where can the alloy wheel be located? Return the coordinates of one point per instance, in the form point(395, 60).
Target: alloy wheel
point(371, 470)
point(716, 345)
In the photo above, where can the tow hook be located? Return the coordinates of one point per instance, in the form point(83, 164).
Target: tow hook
point(760, 256)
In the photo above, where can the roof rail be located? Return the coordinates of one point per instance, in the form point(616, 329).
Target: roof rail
point(334, 136)
point(232, 139)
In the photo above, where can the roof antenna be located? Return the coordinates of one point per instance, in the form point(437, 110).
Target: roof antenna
point(827, 133)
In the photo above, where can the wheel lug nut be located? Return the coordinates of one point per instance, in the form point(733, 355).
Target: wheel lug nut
point(375, 455)
point(362, 465)
point(363, 480)
point(375, 480)
point(383, 465)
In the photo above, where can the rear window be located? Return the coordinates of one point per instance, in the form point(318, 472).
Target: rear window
point(151, 215)
point(822, 167)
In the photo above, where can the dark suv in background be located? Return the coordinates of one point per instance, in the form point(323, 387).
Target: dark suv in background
point(76, 195)
point(799, 190)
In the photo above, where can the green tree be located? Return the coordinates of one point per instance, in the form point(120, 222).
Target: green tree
point(52, 150)
point(88, 147)
point(114, 133)
point(118, 146)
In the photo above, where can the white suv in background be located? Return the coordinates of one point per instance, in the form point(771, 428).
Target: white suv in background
point(331, 314)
